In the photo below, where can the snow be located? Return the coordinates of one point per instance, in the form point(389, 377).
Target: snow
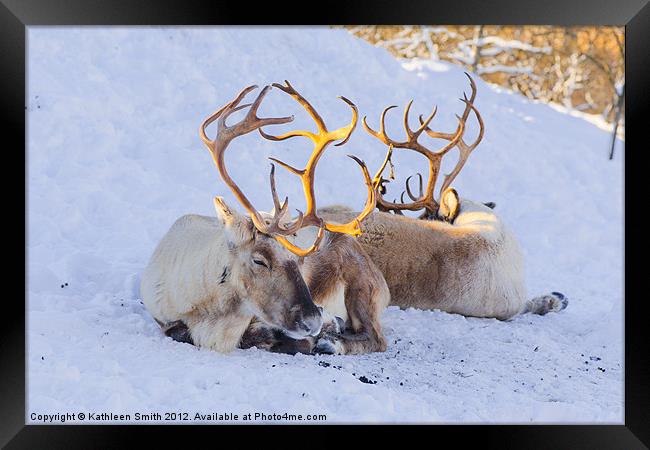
point(114, 158)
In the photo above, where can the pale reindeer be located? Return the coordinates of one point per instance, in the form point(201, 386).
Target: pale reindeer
point(458, 256)
point(216, 282)
point(238, 281)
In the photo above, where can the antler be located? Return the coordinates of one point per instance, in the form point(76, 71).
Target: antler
point(425, 199)
point(217, 147)
point(321, 139)
point(273, 227)
point(464, 149)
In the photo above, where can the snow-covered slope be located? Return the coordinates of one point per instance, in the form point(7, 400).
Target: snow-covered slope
point(114, 158)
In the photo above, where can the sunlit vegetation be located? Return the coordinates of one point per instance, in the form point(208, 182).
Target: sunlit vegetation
point(578, 67)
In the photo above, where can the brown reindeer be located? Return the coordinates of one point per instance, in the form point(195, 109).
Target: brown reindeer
point(265, 280)
point(458, 255)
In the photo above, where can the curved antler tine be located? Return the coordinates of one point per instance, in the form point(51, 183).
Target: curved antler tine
point(240, 107)
point(461, 127)
point(471, 98)
point(381, 134)
point(291, 169)
point(473, 86)
point(455, 139)
point(401, 197)
point(408, 130)
point(221, 123)
point(321, 234)
point(251, 121)
point(299, 251)
point(258, 101)
point(362, 164)
point(480, 123)
point(234, 106)
point(348, 129)
point(252, 113)
point(382, 126)
point(465, 151)
point(408, 189)
point(274, 121)
point(304, 103)
point(377, 178)
point(420, 180)
point(295, 226)
point(353, 227)
point(214, 116)
point(371, 201)
point(241, 95)
point(368, 129)
point(369, 184)
point(288, 135)
point(425, 123)
point(285, 205)
point(288, 88)
point(481, 128)
point(274, 193)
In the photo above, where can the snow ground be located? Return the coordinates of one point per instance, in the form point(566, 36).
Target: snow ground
point(114, 158)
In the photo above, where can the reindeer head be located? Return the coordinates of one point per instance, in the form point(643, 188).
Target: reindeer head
point(267, 276)
point(266, 266)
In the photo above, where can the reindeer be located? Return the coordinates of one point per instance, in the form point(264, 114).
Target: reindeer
point(247, 281)
point(458, 255)
point(243, 281)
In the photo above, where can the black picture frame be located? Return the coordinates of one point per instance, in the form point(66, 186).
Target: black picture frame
point(16, 15)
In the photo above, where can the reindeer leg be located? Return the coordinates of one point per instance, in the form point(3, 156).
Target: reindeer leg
point(264, 337)
point(365, 295)
point(365, 336)
point(285, 344)
point(349, 344)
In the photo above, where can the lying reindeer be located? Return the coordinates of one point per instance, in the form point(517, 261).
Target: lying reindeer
point(238, 281)
point(208, 283)
point(458, 256)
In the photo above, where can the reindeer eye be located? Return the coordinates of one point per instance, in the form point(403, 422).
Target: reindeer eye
point(261, 263)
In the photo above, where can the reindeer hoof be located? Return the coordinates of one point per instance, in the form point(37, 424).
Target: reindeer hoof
point(553, 302)
point(332, 325)
point(325, 347)
point(564, 302)
point(178, 331)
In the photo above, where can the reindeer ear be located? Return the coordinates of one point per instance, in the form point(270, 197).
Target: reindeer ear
point(239, 228)
point(224, 212)
point(449, 205)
